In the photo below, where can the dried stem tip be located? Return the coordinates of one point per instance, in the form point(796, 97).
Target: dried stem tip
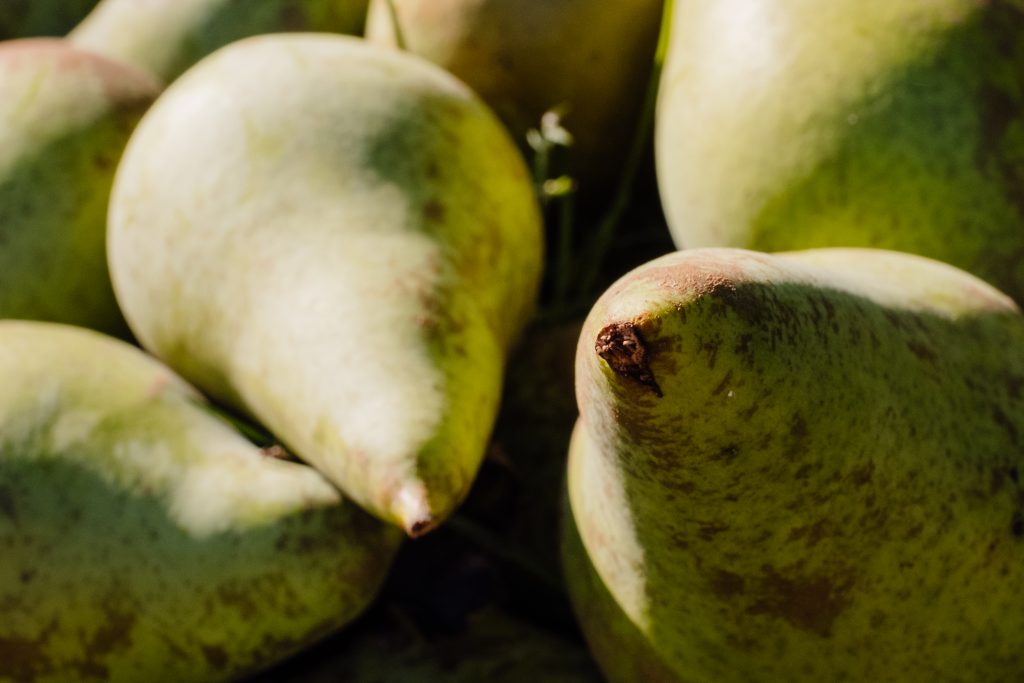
point(622, 347)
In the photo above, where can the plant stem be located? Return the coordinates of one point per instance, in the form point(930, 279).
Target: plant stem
point(563, 266)
point(399, 36)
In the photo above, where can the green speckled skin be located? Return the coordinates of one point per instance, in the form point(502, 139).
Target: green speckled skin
point(143, 539)
point(896, 124)
point(341, 240)
point(827, 488)
point(166, 37)
point(65, 116)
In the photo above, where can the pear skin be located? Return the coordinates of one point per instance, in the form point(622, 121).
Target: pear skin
point(341, 241)
point(615, 642)
point(65, 116)
point(801, 467)
point(144, 539)
point(166, 37)
point(592, 60)
point(893, 124)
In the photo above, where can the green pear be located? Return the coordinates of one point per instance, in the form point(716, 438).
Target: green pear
point(166, 37)
point(341, 241)
point(65, 116)
point(143, 538)
point(896, 124)
point(525, 57)
point(621, 649)
point(25, 18)
point(800, 467)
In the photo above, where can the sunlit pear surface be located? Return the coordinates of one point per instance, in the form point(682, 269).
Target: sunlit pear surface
point(895, 124)
point(342, 241)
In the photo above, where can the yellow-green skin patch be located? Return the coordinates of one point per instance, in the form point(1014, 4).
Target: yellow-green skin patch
point(827, 488)
point(896, 124)
point(143, 539)
point(65, 116)
point(166, 37)
point(342, 241)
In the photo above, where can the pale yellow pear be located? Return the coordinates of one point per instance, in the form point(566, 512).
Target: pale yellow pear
point(342, 241)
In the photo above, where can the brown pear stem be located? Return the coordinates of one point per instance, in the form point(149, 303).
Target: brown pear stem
point(622, 347)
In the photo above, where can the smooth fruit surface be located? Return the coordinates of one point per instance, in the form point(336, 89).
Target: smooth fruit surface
point(895, 124)
point(342, 241)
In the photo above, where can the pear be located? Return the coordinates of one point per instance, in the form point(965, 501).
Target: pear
point(24, 18)
point(143, 538)
point(341, 241)
point(166, 37)
point(895, 124)
point(65, 116)
point(589, 59)
point(800, 467)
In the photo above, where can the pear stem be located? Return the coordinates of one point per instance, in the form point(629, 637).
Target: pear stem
point(412, 507)
point(396, 27)
point(606, 230)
